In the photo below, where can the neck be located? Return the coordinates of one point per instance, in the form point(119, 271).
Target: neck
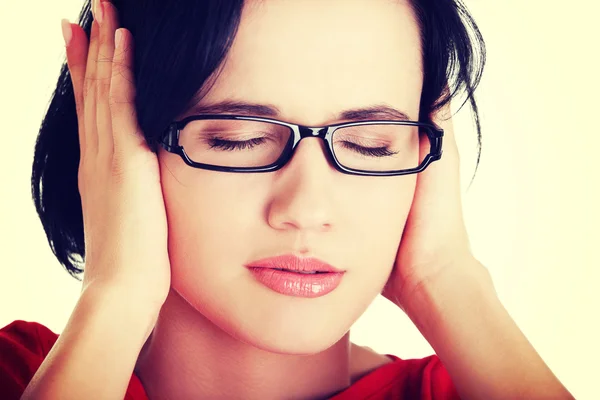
point(188, 356)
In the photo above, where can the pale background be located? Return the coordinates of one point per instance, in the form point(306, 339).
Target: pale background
point(532, 211)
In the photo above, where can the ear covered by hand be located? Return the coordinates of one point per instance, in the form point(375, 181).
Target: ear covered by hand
point(124, 217)
point(435, 237)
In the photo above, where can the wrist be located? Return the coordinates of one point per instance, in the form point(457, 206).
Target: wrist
point(99, 346)
point(133, 291)
point(465, 279)
point(461, 316)
point(139, 312)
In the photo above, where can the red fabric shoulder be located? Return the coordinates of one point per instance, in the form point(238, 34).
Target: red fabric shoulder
point(23, 347)
point(423, 378)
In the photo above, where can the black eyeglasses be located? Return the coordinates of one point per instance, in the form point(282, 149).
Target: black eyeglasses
point(232, 143)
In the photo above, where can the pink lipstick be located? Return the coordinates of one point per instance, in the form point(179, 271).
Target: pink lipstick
point(295, 276)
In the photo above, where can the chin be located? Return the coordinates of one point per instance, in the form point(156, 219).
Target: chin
point(282, 336)
point(277, 323)
point(297, 345)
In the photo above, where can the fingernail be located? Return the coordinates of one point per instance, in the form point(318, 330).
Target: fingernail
point(66, 31)
point(118, 38)
point(99, 11)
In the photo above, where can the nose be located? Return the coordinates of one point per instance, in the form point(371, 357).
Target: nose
point(303, 190)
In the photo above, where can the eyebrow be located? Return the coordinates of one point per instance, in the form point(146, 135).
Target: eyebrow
point(374, 112)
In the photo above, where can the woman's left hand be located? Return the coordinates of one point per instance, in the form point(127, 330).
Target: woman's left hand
point(435, 237)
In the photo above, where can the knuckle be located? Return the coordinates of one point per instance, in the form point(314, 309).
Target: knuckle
point(124, 165)
point(116, 168)
point(113, 103)
point(103, 88)
point(100, 40)
point(81, 177)
point(79, 110)
point(116, 101)
point(88, 86)
point(75, 66)
point(104, 55)
point(120, 71)
point(117, 70)
point(120, 167)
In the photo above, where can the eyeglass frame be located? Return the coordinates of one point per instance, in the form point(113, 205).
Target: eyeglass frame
point(170, 142)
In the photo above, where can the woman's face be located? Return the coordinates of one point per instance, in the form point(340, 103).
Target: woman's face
point(312, 60)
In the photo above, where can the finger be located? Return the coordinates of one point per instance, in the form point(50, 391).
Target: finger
point(93, 6)
point(77, 52)
point(443, 119)
point(439, 183)
point(89, 94)
point(127, 134)
point(106, 49)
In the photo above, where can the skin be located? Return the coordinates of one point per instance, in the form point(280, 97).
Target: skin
point(165, 291)
point(216, 312)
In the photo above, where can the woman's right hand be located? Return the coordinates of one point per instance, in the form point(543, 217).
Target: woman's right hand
point(127, 272)
point(124, 218)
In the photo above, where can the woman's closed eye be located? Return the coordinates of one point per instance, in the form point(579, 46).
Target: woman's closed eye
point(232, 145)
point(381, 151)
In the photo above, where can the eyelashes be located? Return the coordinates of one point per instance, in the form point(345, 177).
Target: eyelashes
point(368, 151)
point(235, 145)
point(230, 145)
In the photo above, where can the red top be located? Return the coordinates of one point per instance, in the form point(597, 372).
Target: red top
point(24, 345)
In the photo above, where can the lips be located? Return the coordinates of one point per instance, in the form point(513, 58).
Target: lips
point(295, 276)
point(294, 264)
point(300, 272)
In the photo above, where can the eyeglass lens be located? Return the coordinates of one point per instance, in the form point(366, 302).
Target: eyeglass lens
point(242, 143)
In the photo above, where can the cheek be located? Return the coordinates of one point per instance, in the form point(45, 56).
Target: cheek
point(384, 206)
point(376, 217)
point(390, 206)
point(210, 215)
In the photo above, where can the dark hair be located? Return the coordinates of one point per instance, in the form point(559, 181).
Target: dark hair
point(177, 51)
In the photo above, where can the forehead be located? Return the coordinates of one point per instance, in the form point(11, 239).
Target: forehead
point(313, 59)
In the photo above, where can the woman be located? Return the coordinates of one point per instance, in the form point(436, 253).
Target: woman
point(227, 258)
